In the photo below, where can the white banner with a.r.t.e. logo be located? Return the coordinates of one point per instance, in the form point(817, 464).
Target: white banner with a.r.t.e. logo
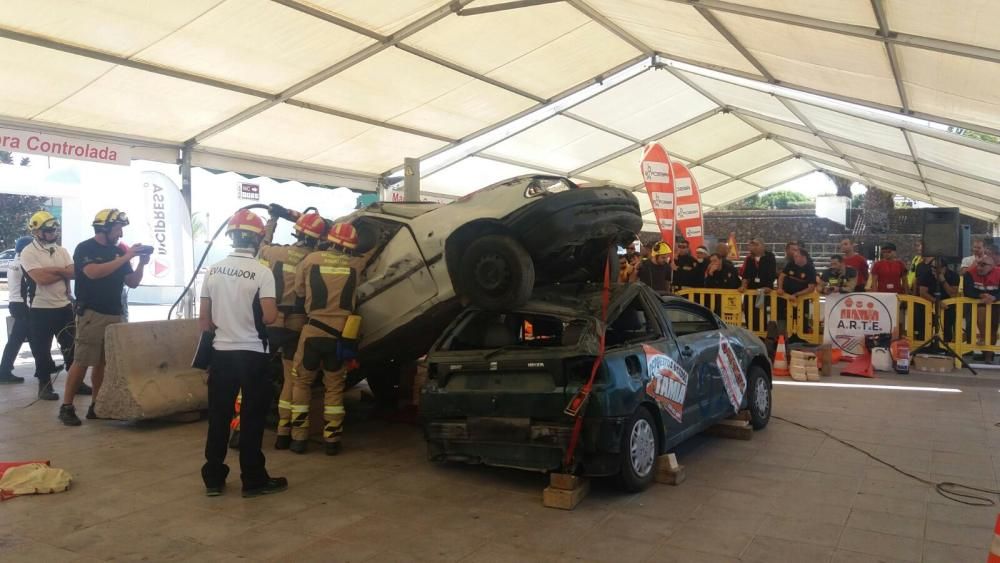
point(852, 316)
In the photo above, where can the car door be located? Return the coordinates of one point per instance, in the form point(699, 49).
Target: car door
point(697, 332)
point(396, 285)
point(632, 337)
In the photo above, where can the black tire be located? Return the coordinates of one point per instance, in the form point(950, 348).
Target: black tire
point(383, 380)
point(759, 397)
point(496, 272)
point(637, 472)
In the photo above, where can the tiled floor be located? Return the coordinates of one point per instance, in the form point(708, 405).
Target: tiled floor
point(788, 495)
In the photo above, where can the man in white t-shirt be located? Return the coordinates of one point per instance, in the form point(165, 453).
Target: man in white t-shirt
point(49, 269)
point(978, 249)
point(237, 304)
point(18, 311)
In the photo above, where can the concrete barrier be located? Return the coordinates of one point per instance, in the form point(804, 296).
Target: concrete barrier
point(149, 373)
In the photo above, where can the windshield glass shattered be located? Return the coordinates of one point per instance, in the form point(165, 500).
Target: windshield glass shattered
point(492, 331)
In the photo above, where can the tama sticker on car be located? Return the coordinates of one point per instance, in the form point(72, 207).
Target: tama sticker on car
point(732, 373)
point(667, 382)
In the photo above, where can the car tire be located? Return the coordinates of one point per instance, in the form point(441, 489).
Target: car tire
point(758, 397)
point(496, 272)
point(639, 452)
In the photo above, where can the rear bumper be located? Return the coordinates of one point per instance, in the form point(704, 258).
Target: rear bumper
point(524, 443)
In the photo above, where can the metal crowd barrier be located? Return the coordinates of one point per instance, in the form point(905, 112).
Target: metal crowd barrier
point(753, 311)
point(974, 325)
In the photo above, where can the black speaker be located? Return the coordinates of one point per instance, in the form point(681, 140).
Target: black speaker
point(941, 232)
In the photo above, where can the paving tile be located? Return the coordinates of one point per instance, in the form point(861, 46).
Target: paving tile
point(886, 523)
point(907, 490)
point(890, 505)
point(599, 547)
point(843, 556)
point(711, 539)
point(773, 550)
point(884, 545)
point(952, 512)
point(672, 554)
point(796, 509)
point(935, 552)
point(501, 552)
point(801, 530)
point(959, 534)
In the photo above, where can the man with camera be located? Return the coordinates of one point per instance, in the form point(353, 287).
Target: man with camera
point(102, 270)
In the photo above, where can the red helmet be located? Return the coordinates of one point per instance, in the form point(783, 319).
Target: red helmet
point(245, 220)
point(343, 235)
point(311, 225)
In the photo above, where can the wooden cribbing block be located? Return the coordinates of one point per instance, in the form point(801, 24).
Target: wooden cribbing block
point(669, 472)
point(735, 429)
point(565, 499)
point(743, 415)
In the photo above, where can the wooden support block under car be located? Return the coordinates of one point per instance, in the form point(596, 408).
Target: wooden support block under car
point(735, 429)
point(565, 491)
point(670, 472)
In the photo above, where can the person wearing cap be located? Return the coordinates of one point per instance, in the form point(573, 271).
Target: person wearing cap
point(48, 270)
point(687, 272)
point(888, 275)
point(237, 303)
point(657, 271)
point(936, 283)
point(283, 333)
point(982, 282)
point(326, 289)
point(18, 311)
point(102, 270)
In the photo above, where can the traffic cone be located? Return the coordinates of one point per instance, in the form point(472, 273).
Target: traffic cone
point(861, 366)
point(994, 556)
point(780, 367)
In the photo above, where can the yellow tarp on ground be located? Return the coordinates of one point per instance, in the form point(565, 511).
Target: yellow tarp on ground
point(33, 478)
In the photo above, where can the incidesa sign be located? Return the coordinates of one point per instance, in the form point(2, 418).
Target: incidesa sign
point(64, 147)
point(852, 316)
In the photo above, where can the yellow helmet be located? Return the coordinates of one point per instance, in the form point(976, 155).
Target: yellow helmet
point(661, 248)
point(42, 220)
point(106, 218)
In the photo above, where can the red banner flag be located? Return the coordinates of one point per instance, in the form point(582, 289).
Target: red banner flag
point(659, 180)
point(690, 223)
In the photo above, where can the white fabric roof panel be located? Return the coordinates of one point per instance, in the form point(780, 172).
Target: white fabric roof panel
point(780, 173)
point(989, 192)
point(255, 43)
point(673, 29)
point(811, 153)
point(112, 26)
point(35, 79)
point(895, 179)
point(707, 178)
point(435, 98)
point(728, 193)
point(950, 155)
point(804, 57)
point(646, 105)
point(560, 143)
point(123, 99)
point(854, 128)
point(855, 12)
point(375, 150)
point(381, 17)
point(942, 84)
point(708, 136)
point(622, 171)
point(902, 163)
point(786, 131)
point(543, 49)
point(469, 175)
point(846, 172)
point(744, 98)
point(962, 200)
point(748, 157)
point(961, 21)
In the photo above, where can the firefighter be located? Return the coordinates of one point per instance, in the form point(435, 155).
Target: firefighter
point(283, 333)
point(237, 302)
point(325, 286)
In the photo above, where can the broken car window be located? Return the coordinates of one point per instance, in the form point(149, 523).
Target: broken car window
point(689, 320)
point(484, 330)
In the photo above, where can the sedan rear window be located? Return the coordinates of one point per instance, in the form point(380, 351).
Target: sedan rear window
point(483, 330)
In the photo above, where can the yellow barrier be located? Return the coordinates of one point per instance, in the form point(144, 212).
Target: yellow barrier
point(975, 325)
point(916, 316)
point(800, 316)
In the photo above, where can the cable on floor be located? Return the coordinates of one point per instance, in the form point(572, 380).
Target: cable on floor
point(949, 490)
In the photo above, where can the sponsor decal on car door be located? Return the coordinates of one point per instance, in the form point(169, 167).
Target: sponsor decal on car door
point(733, 377)
point(667, 382)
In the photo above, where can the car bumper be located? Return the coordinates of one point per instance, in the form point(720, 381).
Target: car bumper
point(524, 443)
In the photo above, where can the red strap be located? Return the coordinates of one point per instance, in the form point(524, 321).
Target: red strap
point(579, 402)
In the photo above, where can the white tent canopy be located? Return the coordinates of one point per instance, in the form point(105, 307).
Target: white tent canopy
point(339, 91)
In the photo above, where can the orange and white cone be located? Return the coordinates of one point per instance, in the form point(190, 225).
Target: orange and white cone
point(780, 366)
point(994, 556)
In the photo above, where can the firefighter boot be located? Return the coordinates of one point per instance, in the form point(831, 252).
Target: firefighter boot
point(299, 446)
point(332, 448)
point(282, 442)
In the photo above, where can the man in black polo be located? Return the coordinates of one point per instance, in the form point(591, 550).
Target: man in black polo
point(687, 271)
point(102, 271)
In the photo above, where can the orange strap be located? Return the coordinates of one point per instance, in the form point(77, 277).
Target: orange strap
point(579, 402)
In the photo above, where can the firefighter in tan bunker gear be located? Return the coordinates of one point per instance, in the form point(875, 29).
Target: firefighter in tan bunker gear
point(283, 333)
point(326, 285)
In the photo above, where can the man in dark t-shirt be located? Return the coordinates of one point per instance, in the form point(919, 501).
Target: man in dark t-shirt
point(657, 271)
point(102, 271)
point(686, 269)
point(839, 278)
point(798, 278)
point(936, 283)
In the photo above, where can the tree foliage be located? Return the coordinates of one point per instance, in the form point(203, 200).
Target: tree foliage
point(773, 200)
point(985, 137)
point(15, 210)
